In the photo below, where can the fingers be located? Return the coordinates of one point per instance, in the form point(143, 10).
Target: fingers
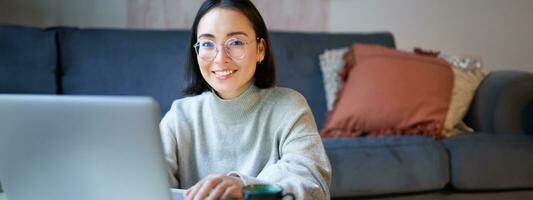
point(189, 193)
point(206, 188)
point(218, 191)
point(201, 189)
point(233, 192)
point(215, 187)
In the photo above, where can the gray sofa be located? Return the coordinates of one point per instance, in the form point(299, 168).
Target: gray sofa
point(496, 162)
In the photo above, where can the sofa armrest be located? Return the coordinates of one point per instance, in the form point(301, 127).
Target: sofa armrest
point(503, 103)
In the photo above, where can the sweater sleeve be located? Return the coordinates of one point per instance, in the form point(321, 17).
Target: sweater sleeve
point(303, 168)
point(167, 129)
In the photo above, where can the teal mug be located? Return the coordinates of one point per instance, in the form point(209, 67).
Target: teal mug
point(264, 192)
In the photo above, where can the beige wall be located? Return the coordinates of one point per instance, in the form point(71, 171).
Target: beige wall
point(82, 13)
point(296, 15)
point(29, 12)
point(498, 31)
point(501, 32)
point(161, 14)
point(93, 13)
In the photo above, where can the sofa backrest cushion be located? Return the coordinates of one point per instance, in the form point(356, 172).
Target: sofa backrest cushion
point(150, 62)
point(297, 64)
point(27, 60)
point(123, 62)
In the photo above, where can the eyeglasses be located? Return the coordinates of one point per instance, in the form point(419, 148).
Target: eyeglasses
point(235, 48)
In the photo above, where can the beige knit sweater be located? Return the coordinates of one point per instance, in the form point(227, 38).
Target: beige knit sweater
point(262, 136)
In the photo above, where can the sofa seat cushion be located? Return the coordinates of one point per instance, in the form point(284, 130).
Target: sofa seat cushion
point(124, 62)
point(365, 166)
point(490, 161)
point(28, 60)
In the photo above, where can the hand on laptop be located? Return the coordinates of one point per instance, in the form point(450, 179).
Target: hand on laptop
point(216, 187)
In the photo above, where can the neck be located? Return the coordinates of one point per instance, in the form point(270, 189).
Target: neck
point(235, 109)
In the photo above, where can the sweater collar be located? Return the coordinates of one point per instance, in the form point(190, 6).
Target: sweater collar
point(234, 110)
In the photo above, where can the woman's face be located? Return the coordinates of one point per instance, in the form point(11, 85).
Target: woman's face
point(228, 51)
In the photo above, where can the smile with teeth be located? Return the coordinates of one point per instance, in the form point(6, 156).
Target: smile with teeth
point(224, 72)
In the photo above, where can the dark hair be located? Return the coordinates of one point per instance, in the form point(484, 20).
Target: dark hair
point(265, 74)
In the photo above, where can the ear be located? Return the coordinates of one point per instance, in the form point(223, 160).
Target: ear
point(261, 50)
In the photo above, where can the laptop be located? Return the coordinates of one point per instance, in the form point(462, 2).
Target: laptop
point(59, 147)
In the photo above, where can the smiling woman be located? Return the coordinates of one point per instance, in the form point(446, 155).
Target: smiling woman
point(238, 128)
point(220, 25)
point(229, 73)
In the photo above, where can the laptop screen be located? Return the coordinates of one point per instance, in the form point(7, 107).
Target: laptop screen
point(81, 147)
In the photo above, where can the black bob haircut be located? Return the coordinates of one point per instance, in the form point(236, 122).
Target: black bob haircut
point(265, 74)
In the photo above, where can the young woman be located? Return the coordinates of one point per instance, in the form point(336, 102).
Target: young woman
point(240, 129)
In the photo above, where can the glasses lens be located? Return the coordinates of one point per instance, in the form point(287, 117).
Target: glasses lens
point(206, 49)
point(235, 48)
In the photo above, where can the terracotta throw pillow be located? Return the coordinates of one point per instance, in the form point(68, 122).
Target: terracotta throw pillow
point(390, 92)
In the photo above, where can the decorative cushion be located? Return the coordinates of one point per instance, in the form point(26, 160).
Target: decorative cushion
point(330, 63)
point(468, 74)
point(385, 92)
point(298, 68)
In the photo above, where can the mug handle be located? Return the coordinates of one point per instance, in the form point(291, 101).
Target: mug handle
point(288, 194)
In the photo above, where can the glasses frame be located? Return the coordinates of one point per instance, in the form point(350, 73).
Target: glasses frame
point(196, 47)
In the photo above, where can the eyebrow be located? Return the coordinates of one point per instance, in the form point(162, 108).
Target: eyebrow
point(229, 34)
point(237, 33)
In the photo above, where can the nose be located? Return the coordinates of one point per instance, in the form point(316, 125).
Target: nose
point(222, 56)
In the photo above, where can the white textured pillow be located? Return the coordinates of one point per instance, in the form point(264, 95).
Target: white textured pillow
point(330, 63)
point(468, 74)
